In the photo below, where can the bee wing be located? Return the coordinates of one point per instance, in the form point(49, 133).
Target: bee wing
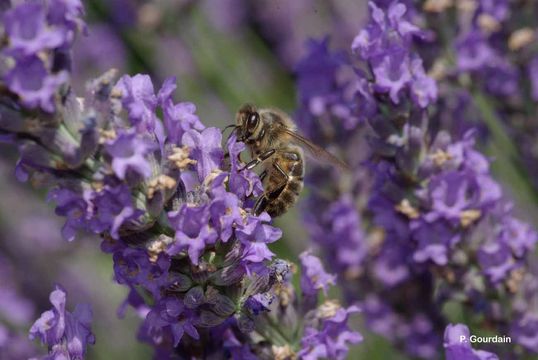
point(316, 152)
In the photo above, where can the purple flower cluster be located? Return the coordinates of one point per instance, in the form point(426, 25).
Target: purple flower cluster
point(478, 51)
point(154, 175)
point(436, 228)
point(314, 277)
point(66, 334)
point(331, 337)
point(40, 34)
point(328, 336)
point(194, 277)
point(385, 45)
point(458, 347)
point(323, 331)
point(455, 223)
point(489, 58)
point(458, 195)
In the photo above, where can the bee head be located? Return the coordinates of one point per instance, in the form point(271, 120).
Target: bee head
point(247, 120)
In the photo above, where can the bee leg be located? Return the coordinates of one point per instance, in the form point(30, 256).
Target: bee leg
point(260, 205)
point(264, 200)
point(263, 175)
point(266, 155)
point(282, 172)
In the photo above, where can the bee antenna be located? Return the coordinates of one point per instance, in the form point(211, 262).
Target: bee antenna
point(232, 132)
point(227, 127)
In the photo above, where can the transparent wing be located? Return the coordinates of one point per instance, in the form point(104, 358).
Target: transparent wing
point(317, 153)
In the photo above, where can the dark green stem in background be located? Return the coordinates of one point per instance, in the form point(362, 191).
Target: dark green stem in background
point(507, 165)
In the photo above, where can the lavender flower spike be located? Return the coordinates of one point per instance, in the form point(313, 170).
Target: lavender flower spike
point(66, 334)
point(458, 346)
point(437, 227)
point(314, 277)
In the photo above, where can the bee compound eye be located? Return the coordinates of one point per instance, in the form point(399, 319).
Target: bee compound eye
point(252, 120)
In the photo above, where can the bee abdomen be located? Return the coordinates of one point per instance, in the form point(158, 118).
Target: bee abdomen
point(295, 185)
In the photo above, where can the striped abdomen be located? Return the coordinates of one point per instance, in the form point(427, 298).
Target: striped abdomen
point(284, 180)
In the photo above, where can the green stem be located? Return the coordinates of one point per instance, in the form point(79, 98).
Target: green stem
point(494, 124)
point(506, 165)
point(273, 333)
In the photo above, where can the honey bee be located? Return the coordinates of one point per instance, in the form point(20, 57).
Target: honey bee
point(273, 141)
